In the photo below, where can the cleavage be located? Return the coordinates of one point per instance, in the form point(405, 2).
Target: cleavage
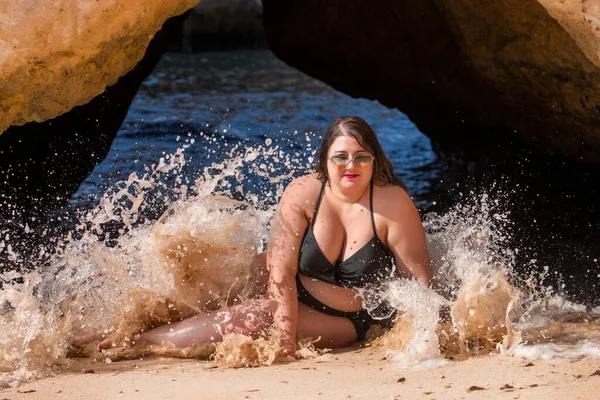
point(353, 248)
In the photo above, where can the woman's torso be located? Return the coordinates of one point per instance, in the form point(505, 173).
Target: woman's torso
point(341, 236)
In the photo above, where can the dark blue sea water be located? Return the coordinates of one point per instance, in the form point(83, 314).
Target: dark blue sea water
point(246, 97)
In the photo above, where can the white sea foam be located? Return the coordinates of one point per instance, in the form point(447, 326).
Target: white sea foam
point(548, 351)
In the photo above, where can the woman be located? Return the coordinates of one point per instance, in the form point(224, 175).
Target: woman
point(335, 231)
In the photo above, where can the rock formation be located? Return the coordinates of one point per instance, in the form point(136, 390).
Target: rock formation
point(58, 55)
point(224, 24)
point(43, 163)
point(471, 75)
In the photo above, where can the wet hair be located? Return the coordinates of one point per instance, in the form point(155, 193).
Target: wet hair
point(356, 127)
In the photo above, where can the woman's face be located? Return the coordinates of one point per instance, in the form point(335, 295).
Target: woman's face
point(352, 175)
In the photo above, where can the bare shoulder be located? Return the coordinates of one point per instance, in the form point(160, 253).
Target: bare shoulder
point(303, 183)
point(303, 192)
point(392, 202)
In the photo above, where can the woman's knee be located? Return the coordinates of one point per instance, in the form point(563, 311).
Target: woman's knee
point(251, 319)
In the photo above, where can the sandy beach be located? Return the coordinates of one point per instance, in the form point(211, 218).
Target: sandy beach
point(347, 373)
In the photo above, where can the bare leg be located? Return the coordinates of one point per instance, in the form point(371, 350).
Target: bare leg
point(200, 328)
point(87, 335)
point(252, 318)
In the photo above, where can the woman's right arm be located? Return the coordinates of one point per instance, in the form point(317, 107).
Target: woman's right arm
point(287, 230)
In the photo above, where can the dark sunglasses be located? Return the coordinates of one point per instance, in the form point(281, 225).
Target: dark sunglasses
point(361, 162)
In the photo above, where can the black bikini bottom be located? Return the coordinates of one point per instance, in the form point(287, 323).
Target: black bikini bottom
point(361, 320)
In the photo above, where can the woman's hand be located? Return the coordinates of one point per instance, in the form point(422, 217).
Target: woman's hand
point(288, 348)
point(282, 289)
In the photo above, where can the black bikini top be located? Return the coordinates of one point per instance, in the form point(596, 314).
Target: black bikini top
point(373, 263)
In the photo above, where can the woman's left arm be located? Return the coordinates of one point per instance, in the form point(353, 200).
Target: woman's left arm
point(406, 236)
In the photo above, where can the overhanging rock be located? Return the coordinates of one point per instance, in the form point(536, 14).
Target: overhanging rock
point(471, 75)
point(58, 55)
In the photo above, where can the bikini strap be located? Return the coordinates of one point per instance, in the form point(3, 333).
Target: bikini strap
point(318, 204)
point(387, 250)
point(372, 215)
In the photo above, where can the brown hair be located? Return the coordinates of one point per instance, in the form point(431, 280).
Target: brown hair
point(356, 127)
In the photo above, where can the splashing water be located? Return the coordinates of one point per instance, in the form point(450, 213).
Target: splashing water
point(240, 351)
point(200, 254)
point(480, 304)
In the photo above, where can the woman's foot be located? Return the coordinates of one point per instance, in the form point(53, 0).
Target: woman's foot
point(83, 337)
point(111, 342)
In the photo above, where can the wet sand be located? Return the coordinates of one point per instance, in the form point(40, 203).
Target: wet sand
point(348, 373)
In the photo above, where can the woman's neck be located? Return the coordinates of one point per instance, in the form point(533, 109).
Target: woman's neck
point(348, 196)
